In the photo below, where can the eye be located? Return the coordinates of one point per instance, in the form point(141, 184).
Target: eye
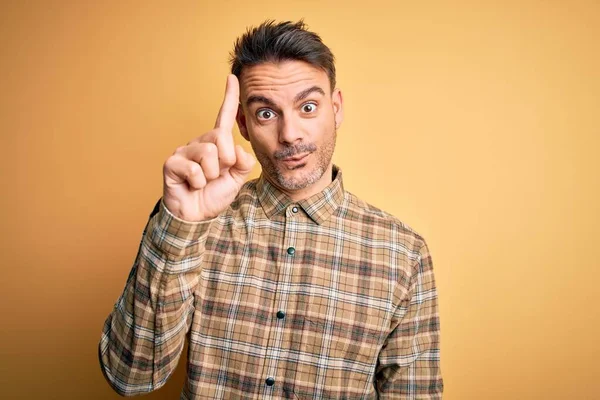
point(265, 114)
point(309, 108)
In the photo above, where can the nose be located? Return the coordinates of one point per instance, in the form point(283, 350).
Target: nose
point(290, 130)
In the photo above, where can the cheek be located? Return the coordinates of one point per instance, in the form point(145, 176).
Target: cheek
point(320, 127)
point(261, 136)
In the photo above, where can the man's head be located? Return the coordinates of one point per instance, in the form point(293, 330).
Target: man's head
point(290, 108)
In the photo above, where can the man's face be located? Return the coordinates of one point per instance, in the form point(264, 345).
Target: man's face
point(289, 115)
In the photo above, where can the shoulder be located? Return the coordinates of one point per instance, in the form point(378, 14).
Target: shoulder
point(383, 224)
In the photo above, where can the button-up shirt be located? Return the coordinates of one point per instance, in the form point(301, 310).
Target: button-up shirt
point(323, 298)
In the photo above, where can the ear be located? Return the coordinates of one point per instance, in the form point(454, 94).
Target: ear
point(241, 121)
point(338, 107)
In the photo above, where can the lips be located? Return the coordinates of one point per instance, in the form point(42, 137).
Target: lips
point(298, 161)
point(296, 158)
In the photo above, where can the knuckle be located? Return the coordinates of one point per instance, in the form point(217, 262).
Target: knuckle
point(168, 165)
point(180, 149)
point(193, 170)
point(210, 148)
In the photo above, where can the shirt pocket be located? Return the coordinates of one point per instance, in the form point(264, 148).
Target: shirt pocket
point(348, 341)
point(344, 356)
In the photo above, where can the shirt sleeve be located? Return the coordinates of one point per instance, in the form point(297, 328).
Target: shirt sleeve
point(144, 335)
point(409, 362)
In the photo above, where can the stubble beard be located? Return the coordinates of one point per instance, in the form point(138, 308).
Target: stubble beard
point(323, 159)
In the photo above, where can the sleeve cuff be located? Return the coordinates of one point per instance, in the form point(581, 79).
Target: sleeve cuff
point(176, 237)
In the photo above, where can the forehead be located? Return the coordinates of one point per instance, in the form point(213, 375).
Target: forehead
point(283, 79)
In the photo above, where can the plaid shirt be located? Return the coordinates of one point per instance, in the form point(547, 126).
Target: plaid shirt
point(324, 298)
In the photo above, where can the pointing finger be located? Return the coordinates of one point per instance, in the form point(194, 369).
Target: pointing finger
point(226, 146)
point(228, 111)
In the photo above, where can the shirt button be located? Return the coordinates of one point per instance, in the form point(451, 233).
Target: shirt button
point(280, 314)
point(270, 381)
point(295, 209)
point(291, 251)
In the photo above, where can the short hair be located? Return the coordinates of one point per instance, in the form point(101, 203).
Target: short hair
point(284, 41)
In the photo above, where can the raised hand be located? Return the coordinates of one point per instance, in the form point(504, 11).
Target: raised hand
point(202, 178)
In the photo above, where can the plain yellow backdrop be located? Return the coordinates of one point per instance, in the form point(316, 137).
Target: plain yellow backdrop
point(476, 123)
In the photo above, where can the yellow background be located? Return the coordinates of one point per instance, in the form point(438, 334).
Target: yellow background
point(476, 123)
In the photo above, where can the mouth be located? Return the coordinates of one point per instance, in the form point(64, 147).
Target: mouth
point(295, 160)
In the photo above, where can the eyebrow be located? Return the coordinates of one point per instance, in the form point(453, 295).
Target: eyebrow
point(304, 94)
point(260, 99)
point(299, 97)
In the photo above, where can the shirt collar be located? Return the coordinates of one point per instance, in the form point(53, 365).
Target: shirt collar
point(319, 206)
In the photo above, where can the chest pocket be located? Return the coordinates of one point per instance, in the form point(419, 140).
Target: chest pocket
point(344, 355)
point(353, 343)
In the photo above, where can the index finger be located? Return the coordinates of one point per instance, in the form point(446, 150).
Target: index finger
point(228, 111)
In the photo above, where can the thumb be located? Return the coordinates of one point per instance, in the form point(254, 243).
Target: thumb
point(244, 163)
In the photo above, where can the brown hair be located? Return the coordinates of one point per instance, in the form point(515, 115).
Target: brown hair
point(275, 42)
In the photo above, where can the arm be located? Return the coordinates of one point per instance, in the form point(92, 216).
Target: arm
point(409, 362)
point(144, 335)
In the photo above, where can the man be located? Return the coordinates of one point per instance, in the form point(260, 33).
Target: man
point(287, 286)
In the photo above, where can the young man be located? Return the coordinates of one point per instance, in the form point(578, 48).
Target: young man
point(287, 286)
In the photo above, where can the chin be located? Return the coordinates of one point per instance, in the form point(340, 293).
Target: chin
point(298, 178)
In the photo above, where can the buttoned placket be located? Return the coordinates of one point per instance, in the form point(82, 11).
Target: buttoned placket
point(284, 267)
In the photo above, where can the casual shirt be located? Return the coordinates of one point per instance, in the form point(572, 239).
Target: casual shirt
point(322, 298)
